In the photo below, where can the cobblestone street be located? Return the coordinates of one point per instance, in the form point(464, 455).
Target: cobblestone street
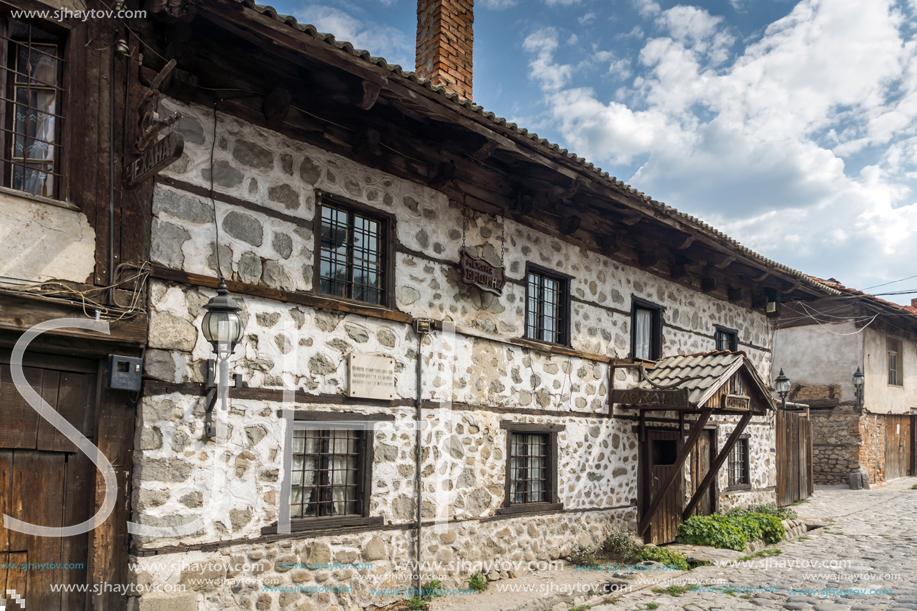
point(865, 558)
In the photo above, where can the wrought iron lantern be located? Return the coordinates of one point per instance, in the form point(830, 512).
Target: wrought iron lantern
point(858, 381)
point(222, 325)
point(782, 384)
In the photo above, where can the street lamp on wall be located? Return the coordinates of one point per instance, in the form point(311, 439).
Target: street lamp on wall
point(222, 327)
point(782, 384)
point(858, 381)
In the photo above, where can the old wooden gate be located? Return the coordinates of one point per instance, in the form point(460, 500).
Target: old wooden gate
point(795, 479)
point(898, 446)
point(45, 480)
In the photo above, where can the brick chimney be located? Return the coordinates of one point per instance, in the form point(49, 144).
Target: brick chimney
point(445, 36)
point(914, 302)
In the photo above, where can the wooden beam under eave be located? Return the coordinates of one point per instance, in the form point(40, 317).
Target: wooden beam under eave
point(370, 95)
point(678, 271)
point(735, 294)
point(648, 258)
point(724, 262)
point(607, 244)
point(570, 224)
point(686, 243)
point(708, 284)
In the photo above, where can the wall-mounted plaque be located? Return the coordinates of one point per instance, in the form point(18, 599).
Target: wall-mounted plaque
point(638, 397)
point(371, 377)
point(736, 402)
point(482, 274)
point(155, 159)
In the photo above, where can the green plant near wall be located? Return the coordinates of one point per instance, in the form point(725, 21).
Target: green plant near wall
point(478, 582)
point(417, 603)
point(711, 531)
point(620, 544)
point(662, 555)
point(584, 555)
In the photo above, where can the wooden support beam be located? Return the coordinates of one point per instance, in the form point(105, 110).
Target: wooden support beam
point(675, 471)
point(724, 262)
point(484, 153)
point(607, 244)
point(648, 258)
point(678, 271)
point(762, 277)
point(715, 467)
point(276, 105)
point(444, 173)
point(631, 219)
point(570, 224)
point(735, 294)
point(687, 243)
point(708, 284)
point(370, 95)
point(366, 143)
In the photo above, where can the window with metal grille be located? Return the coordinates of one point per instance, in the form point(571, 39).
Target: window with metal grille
point(739, 464)
point(327, 473)
point(895, 376)
point(528, 468)
point(726, 339)
point(352, 254)
point(33, 118)
point(547, 302)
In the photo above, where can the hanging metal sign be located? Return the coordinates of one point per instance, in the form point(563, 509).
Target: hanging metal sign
point(155, 159)
point(482, 274)
point(637, 397)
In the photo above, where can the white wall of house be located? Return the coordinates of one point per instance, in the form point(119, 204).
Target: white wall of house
point(879, 396)
point(820, 355)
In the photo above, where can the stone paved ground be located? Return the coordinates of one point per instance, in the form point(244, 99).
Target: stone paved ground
point(873, 532)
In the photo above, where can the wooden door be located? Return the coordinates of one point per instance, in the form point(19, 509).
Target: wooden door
point(794, 457)
point(897, 446)
point(701, 459)
point(45, 480)
point(661, 450)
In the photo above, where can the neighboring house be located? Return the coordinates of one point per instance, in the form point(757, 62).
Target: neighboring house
point(73, 247)
point(820, 346)
point(357, 204)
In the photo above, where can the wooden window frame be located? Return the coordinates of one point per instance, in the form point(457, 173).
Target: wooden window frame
point(899, 361)
point(66, 111)
point(367, 443)
point(732, 334)
point(746, 466)
point(655, 330)
point(387, 234)
point(565, 305)
point(552, 483)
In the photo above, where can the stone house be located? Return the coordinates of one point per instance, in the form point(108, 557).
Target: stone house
point(820, 346)
point(375, 220)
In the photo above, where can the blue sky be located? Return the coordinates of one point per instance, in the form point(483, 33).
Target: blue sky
point(791, 126)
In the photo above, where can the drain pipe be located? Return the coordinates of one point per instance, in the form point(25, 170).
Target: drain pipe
point(422, 326)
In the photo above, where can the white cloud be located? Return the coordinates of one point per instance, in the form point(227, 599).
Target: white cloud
point(383, 41)
point(768, 144)
point(542, 44)
point(498, 4)
point(561, 2)
point(590, 17)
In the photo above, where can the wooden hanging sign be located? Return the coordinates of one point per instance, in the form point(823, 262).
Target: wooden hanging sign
point(155, 159)
point(482, 274)
point(639, 397)
point(736, 402)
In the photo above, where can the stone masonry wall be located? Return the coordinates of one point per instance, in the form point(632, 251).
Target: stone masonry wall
point(218, 496)
point(835, 445)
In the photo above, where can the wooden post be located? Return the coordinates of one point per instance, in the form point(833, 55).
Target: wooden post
point(676, 470)
point(715, 467)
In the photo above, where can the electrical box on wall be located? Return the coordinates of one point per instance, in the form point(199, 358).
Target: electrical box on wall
point(124, 372)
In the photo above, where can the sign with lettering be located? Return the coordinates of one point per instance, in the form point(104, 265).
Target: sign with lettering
point(155, 159)
point(653, 397)
point(482, 274)
point(371, 377)
point(736, 402)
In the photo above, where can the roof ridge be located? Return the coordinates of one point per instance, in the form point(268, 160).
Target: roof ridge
point(585, 165)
